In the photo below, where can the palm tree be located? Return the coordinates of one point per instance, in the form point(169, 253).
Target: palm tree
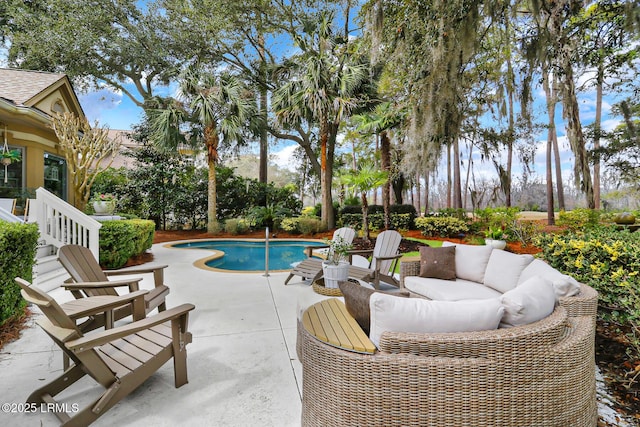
point(323, 85)
point(363, 180)
point(385, 117)
point(216, 105)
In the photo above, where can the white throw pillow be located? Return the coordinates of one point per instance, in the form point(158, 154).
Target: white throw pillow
point(564, 285)
point(529, 302)
point(504, 269)
point(471, 261)
point(389, 313)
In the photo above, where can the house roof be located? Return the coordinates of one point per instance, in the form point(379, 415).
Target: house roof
point(22, 86)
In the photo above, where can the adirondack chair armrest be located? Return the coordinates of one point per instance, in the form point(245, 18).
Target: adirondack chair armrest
point(385, 258)
point(136, 269)
point(155, 268)
point(100, 338)
point(361, 252)
point(136, 298)
point(131, 283)
point(309, 249)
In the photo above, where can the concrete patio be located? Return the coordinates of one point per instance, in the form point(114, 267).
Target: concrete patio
point(243, 367)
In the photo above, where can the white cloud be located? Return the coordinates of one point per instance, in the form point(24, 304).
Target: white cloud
point(284, 158)
point(96, 102)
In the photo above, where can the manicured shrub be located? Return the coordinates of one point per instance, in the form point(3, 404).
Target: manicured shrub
point(120, 240)
point(18, 243)
point(351, 209)
point(402, 221)
point(578, 219)
point(441, 226)
point(309, 225)
point(236, 226)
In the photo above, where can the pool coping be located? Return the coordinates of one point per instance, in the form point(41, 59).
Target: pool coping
point(202, 262)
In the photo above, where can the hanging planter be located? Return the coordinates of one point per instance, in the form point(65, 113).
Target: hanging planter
point(8, 156)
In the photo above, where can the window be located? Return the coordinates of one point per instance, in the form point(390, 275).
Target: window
point(58, 107)
point(55, 175)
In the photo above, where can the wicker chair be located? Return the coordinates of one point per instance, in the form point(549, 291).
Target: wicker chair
point(541, 374)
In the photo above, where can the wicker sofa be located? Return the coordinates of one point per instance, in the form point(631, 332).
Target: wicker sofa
point(539, 374)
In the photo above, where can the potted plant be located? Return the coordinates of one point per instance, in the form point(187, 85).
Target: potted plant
point(7, 157)
point(335, 268)
point(496, 237)
point(104, 204)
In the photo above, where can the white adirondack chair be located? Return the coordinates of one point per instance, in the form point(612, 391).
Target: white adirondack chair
point(346, 233)
point(383, 258)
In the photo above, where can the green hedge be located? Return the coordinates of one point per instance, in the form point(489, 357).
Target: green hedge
point(444, 226)
point(18, 243)
point(120, 240)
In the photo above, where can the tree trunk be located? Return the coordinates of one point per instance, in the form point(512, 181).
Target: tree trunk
point(551, 130)
point(449, 184)
point(211, 138)
point(457, 196)
point(417, 202)
point(385, 160)
point(426, 194)
point(596, 137)
point(264, 139)
point(574, 130)
point(365, 217)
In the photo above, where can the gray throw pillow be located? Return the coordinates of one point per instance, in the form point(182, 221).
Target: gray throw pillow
point(356, 300)
point(438, 263)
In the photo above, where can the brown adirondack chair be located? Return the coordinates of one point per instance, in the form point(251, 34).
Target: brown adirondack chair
point(90, 281)
point(120, 359)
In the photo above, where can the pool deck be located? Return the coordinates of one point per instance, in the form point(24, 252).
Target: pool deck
point(243, 367)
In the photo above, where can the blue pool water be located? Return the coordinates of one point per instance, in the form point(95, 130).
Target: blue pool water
point(245, 255)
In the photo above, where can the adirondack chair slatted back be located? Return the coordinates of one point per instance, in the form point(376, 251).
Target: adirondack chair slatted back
point(346, 233)
point(387, 244)
point(62, 329)
point(83, 267)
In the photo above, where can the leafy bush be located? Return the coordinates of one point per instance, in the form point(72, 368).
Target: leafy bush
point(351, 209)
point(353, 220)
point(453, 212)
point(308, 211)
point(120, 240)
point(607, 260)
point(236, 226)
point(290, 224)
point(402, 221)
point(18, 243)
point(309, 225)
point(441, 226)
point(578, 219)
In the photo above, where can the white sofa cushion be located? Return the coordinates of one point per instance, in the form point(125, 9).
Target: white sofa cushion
point(449, 290)
point(529, 302)
point(563, 285)
point(389, 313)
point(471, 261)
point(504, 269)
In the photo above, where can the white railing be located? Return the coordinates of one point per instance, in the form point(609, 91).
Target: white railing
point(62, 224)
point(8, 216)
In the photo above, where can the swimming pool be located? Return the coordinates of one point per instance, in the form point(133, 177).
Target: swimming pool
point(249, 255)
